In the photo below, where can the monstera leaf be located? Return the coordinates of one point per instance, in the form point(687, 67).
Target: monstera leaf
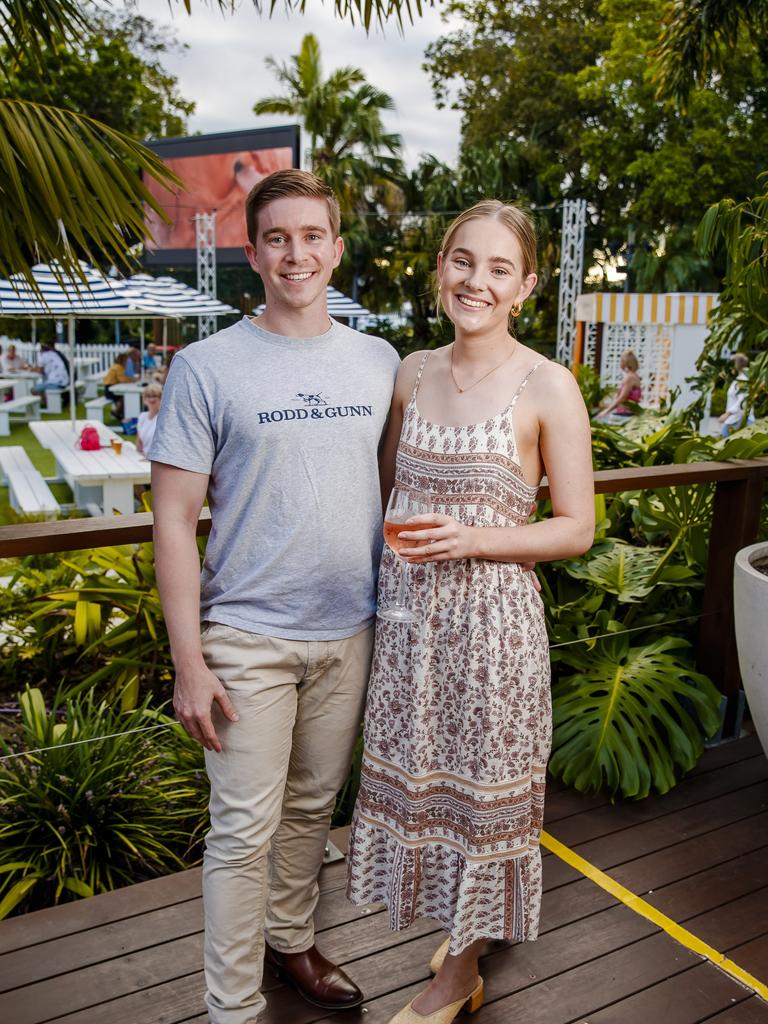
point(627, 571)
point(682, 513)
point(630, 718)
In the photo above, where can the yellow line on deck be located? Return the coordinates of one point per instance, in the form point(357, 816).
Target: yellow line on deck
point(640, 906)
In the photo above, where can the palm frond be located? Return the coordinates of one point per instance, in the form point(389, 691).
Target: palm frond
point(32, 28)
point(365, 12)
point(695, 37)
point(69, 188)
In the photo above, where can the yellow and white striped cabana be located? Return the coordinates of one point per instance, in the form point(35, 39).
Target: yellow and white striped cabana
point(666, 331)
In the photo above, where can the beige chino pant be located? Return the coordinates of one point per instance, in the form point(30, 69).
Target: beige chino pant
point(273, 787)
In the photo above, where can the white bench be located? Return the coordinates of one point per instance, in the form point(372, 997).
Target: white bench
point(25, 409)
point(92, 382)
point(54, 396)
point(94, 408)
point(29, 493)
point(14, 458)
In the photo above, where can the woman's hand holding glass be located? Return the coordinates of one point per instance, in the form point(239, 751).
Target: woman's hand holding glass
point(435, 537)
point(444, 539)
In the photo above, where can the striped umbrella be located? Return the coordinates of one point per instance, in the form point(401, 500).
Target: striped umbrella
point(339, 306)
point(93, 295)
point(172, 298)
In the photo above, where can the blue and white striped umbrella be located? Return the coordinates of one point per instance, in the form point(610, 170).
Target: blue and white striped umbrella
point(170, 297)
point(339, 306)
point(95, 296)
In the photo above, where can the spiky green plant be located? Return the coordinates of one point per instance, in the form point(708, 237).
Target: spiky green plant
point(87, 814)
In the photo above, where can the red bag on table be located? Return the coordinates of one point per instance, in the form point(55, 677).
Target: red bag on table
point(89, 439)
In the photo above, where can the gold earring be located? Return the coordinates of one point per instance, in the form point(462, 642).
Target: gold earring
point(516, 310)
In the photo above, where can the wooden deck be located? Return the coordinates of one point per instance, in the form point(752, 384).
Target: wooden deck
point(700, 855)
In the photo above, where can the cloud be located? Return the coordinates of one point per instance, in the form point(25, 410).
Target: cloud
point(224, 69)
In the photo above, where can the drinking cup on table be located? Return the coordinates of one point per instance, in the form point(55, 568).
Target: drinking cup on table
point(117, 446)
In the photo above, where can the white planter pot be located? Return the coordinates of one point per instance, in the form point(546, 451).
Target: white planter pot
point(750, 596)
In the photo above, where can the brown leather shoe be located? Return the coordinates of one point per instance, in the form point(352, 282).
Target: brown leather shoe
point(319, 981)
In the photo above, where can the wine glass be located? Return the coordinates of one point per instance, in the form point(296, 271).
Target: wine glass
point(402, 505)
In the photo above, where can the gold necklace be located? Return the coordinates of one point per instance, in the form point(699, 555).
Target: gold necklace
point(492, 370)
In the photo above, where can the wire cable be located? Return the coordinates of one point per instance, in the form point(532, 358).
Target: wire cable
point(170, 725)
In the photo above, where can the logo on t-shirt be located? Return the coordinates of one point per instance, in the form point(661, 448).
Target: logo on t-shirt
point(316, 406)
point(318, 399)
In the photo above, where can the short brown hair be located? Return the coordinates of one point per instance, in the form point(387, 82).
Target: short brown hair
point(630, 360)
point(282, 185)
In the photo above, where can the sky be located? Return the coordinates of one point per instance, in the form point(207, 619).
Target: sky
point(223, 69)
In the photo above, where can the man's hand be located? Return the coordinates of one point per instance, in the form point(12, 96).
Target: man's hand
point(193, 697)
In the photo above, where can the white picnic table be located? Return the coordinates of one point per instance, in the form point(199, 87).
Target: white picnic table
point(100, 478)
point(85, 361)
point(132, 402)
point(22, 382)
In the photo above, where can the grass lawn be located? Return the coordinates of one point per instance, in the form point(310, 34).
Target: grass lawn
point(41, 458)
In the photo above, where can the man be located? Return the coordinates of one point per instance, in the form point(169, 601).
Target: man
point(133, 363)
point(149, 362)
point(733, 417)
point(11, 361)
point(54, 368)
point(278, 420)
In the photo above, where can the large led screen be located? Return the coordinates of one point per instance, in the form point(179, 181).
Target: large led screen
point(218, 172)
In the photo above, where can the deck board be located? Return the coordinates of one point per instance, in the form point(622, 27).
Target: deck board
point(699, 854)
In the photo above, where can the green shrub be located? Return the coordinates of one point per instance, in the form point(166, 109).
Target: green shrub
point(86, 618)
point(89, 814)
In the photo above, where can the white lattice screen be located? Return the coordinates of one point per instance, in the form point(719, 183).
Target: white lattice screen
point(652, 345)
point(571, 274)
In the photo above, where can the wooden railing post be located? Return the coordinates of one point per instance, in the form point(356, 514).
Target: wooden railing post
point(735, 522)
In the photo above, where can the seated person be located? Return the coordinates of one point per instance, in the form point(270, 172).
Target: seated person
point(630, 389)
point(145, 428)
point(733, 417)
point(117, 374)
point(150, 357)
point(161, 374)
point(55, 370)
point(133, 364)
point(11, 361)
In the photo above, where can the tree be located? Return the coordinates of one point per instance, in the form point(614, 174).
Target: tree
point(571, 87)
point(112, 73)
point(349, 147)
point(90, 200)
point(696, 39)
point(740, 321)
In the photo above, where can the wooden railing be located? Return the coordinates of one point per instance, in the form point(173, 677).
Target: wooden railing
point(739, 487)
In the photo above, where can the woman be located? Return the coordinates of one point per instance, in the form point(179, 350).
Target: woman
point(145, 427)
point(630, 389)
point(733, 417)
point(117, 374)
point(457, 730)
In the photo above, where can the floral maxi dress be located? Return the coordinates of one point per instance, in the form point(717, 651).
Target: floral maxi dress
point(458, 719)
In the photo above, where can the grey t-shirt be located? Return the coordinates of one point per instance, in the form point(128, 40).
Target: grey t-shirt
point(288, 429)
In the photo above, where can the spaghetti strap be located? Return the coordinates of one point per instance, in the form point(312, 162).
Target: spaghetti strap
point(418, 378)
point(523, 382)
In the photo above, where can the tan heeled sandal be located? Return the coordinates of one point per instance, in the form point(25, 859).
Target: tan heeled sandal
point(446, 1014)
